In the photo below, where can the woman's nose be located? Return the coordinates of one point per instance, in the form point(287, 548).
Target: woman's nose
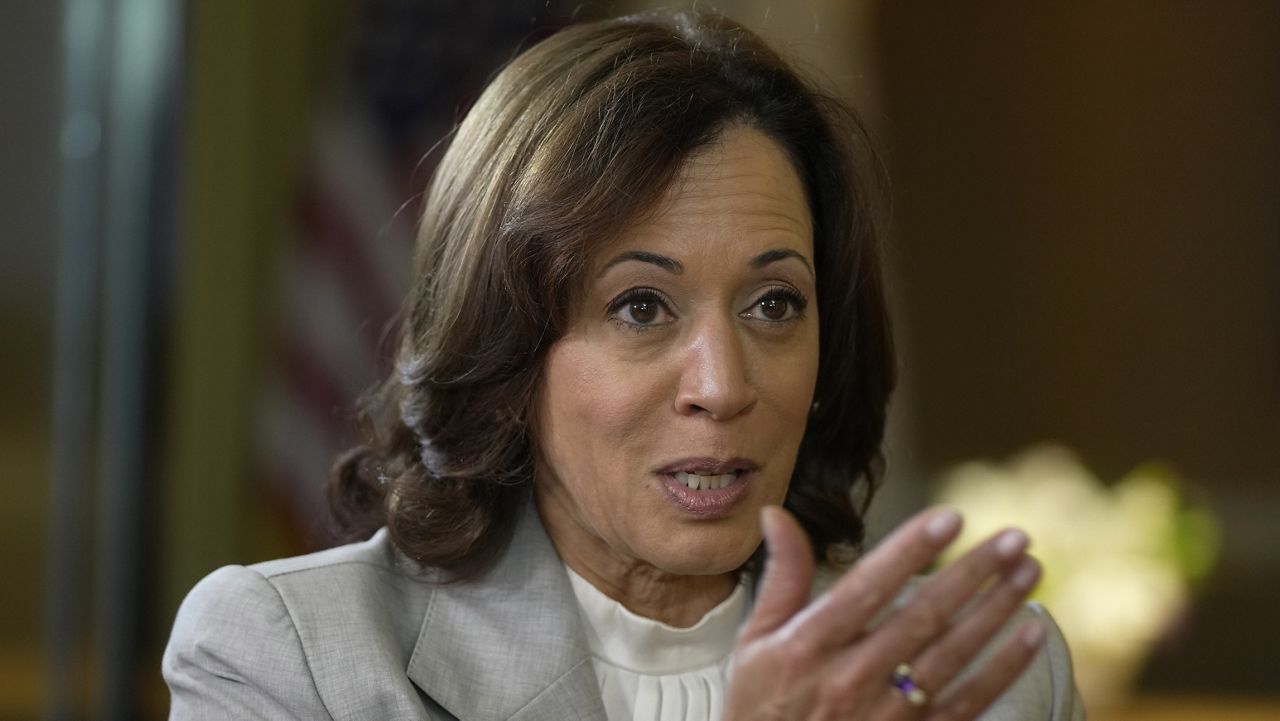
point(715, 379)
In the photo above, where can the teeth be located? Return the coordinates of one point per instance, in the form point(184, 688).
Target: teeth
point(698, 482)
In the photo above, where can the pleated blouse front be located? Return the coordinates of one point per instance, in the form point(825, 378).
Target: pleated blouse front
point(649, 671)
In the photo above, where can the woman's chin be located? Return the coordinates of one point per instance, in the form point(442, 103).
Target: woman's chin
point(705, 551)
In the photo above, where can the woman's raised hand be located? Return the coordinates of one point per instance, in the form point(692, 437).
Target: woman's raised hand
point(797, 660)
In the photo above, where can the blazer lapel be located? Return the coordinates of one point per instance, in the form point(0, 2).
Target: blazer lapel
point(509, 645)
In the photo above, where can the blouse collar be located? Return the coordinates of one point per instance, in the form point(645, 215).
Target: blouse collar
point(626, 640)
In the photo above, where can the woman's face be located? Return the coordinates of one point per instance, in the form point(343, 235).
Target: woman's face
point(672, 409)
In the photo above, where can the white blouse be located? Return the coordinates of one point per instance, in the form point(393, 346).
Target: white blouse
point(649, 671)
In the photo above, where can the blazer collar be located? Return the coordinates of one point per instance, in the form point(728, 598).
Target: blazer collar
point(509, 645)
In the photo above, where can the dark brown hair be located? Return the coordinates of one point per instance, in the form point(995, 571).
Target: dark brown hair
point(578, 136)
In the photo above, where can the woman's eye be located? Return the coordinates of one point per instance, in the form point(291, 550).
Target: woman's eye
point(777, 306)
point(642, 312)
point(640, 308)
point(774, 308)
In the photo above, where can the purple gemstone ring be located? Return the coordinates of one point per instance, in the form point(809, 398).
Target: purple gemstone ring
point(904, 681)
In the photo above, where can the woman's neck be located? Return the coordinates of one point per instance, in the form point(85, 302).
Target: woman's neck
point(645, 590)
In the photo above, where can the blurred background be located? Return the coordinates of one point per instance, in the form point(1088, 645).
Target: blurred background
point(209, 204)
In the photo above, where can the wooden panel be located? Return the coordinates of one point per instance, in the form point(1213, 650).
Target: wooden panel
point(1088, 250)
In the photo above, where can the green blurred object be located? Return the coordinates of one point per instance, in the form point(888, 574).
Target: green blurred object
point(1120, 560)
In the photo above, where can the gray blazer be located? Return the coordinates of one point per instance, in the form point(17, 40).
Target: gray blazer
point(358, 632)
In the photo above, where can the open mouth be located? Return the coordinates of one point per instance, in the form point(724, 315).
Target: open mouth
point(707, 482)
point(708, 488)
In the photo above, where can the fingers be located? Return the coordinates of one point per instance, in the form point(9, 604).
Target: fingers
point(931, 610)
point(928, 622)
point(832, 659)
point(842, 614)
point(975, 693)
point(942, 661)
point(788, 575)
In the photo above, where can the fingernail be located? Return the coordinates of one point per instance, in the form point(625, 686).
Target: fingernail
point(1011, 543)
point(1033, 634)
point(1026, 576)
point(944, 524)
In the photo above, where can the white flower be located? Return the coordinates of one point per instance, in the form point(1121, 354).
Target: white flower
point(1117, 560)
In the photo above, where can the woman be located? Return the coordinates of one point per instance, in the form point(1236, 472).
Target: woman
point(648, 315)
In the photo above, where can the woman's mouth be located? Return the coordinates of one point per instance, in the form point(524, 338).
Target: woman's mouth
point(707, 488)
point(697, 482)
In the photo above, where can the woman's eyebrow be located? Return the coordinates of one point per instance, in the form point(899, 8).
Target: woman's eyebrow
point(671, 265)
point(773, 256)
